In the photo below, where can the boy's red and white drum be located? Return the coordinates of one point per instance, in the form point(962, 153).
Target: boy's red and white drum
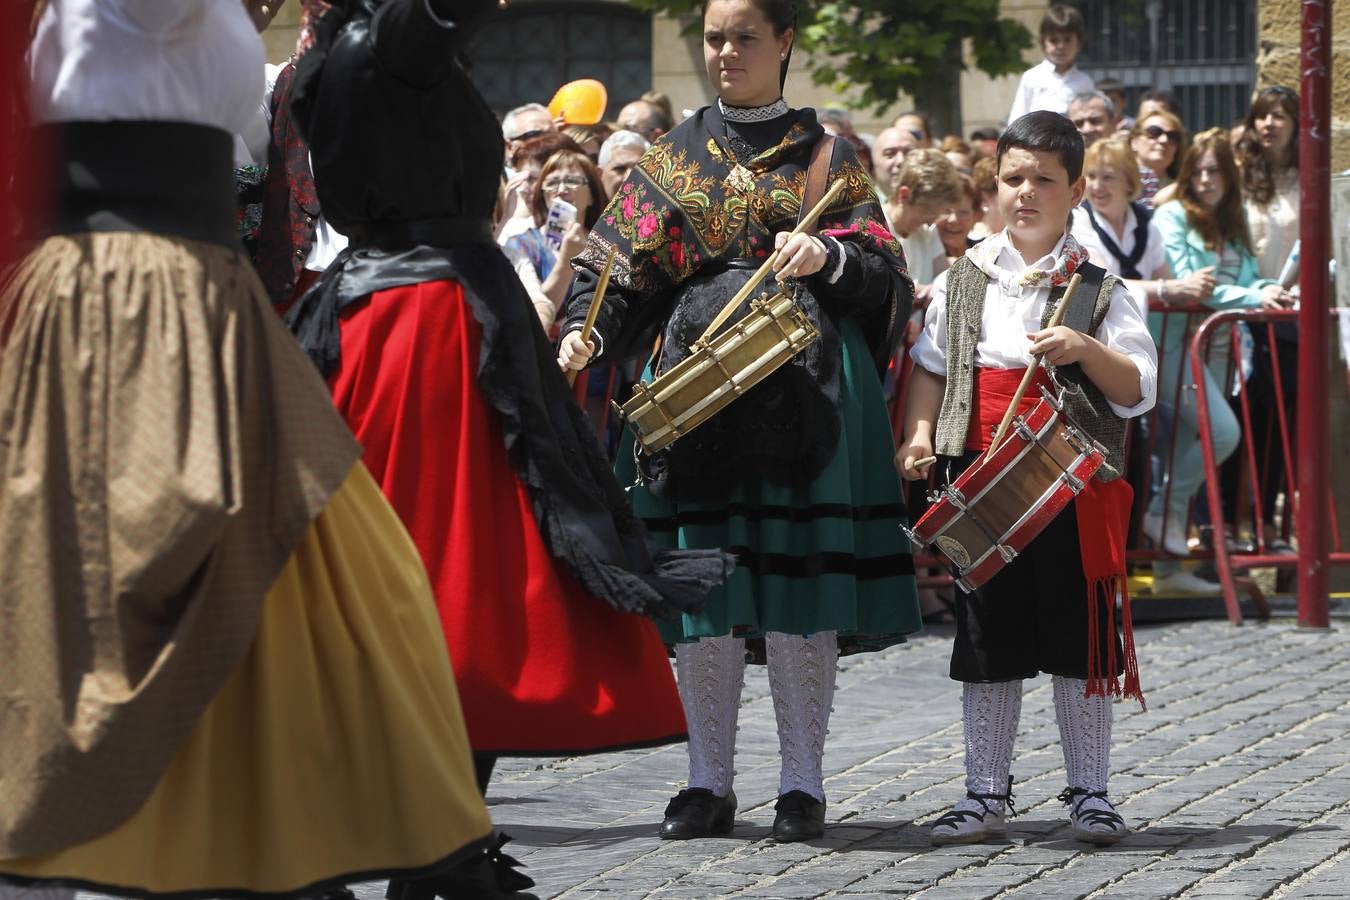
point(996, 508)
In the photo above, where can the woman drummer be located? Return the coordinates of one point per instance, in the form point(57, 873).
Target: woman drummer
point(793, 477)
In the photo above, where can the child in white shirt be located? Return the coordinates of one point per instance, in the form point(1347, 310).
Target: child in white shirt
point(1055, 81)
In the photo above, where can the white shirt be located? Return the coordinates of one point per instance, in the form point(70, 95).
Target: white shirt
point(1274, 226)
point(1011, 310)
point(251, 143)
point(544, 306)
point(196, 61)
point(923, 251)
point(514, 226)
point(1155, 254)
point(1042, 87)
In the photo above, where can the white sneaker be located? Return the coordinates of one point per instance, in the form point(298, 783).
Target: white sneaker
point(969, 822)
point(1183, 582)
point(1093, 817)
point(1174, 542)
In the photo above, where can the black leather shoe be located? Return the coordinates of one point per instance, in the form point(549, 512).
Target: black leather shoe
point(698, 813)
point(491, 875)
point(801, 817)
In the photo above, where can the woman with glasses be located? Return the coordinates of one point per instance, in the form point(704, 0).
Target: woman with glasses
point(567, 175)
point(1205, 227)
point(1158, 141)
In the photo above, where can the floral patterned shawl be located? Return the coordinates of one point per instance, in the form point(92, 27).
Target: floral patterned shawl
point(682, 213)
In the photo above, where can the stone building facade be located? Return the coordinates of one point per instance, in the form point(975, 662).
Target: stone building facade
point(1278, 63)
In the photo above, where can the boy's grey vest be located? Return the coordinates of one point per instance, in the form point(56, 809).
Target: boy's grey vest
point(1083, 401)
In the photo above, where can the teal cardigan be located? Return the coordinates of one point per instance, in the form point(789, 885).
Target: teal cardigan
point(1186, 252)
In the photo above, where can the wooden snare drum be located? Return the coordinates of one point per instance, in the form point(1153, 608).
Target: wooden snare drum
point(999, 504)
point(717, 371)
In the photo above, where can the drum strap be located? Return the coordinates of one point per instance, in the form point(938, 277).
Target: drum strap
point(1079, 315)
point(817, 175)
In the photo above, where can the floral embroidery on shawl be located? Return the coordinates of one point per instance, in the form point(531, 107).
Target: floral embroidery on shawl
point(679, 209)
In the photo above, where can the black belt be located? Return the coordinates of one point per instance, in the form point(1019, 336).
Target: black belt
point(170, 178)
point(453, 231)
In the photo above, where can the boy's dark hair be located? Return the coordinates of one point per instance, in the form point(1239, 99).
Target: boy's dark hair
point(1048, 132)
point(1161, 96)
point(984, 134)
point(1062, 19)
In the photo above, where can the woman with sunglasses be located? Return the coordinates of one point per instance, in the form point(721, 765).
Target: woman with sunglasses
point(1158, 141)
point(567, 175)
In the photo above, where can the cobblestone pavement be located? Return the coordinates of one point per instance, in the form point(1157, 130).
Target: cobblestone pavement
point(1237, 777)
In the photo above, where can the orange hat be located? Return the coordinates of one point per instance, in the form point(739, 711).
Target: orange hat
point(580, 102)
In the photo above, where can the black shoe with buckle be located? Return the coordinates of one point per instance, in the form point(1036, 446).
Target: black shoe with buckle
point(801, 817)
point(1093, 824)
point(490, 875)
point(698, 813)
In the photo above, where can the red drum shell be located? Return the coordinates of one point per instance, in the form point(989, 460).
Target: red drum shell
point(1014, 495)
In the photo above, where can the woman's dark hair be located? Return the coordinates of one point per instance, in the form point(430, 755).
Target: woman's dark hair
point(1258, 173)
point(1227, 222)
point(571, 157)
point(540, 147)
point(1047, 132)
point(782, 15)
point(1163, 98)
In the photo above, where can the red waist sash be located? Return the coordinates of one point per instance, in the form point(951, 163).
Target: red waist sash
point(1102, 510)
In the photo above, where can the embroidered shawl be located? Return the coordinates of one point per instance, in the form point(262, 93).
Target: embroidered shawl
point(683, 212)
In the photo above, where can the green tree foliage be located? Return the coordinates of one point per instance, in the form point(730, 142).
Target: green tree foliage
point(889, 47)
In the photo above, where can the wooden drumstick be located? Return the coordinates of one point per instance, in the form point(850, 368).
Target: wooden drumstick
point(763, 272)
point(1034, 367)
point(925, 462)
point(594, 311)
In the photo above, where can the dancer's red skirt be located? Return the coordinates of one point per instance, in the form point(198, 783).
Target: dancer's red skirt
point(543, 667)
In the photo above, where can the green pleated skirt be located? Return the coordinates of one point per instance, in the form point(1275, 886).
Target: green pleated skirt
point(829, 556)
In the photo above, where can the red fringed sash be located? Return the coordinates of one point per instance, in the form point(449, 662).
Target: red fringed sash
point(1103, 513)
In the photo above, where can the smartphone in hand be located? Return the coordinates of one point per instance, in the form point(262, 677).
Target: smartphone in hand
point(561, 215)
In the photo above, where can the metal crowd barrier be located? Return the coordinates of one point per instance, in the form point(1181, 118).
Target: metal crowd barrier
point(1257, 471)
point(1258, 458)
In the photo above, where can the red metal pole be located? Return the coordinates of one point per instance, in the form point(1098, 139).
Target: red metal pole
point(1314, 433)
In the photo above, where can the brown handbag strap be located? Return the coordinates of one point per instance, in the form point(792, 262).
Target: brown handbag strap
point(817, 176)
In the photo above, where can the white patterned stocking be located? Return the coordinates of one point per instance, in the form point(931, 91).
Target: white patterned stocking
point(801, 678)
point(711, 674)
point(991, 713)
point(1084, 732)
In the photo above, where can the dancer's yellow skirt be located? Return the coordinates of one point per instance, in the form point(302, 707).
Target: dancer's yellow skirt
point(335, 750)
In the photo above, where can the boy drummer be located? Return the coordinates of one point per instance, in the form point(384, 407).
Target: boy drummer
point(1052, 608)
